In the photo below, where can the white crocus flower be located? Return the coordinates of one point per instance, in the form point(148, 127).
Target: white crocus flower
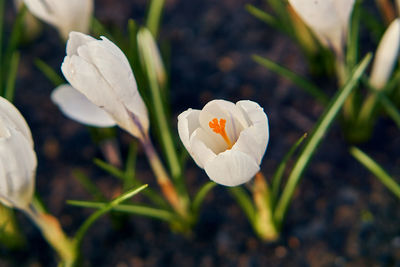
point(17, 158)
point(227, 140)
point(329, 19)
point(65, 15)
point(99, 70)
point(386, 55)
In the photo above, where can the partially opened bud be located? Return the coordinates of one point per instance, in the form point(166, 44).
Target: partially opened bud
point(17, 158)
point(329, 19)
point(65, 15)
point(386, 55)
point(99, 70)
point(151, 55)
point(227, 140)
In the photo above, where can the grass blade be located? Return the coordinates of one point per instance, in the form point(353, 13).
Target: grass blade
point(106, 208)
point(377, 170)
point(154, 16)
point(140, 210)
point(315, 139)
point(244, 201)
point(293, 77)
point(277, 178)
point(265, 17)
point(49, 72)
point(88, 185)
point(12, 76)
point(201, 194)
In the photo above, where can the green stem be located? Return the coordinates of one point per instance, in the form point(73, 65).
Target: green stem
point(315, 139)
point(53, 233)
point(154, 16)
point(377, 170)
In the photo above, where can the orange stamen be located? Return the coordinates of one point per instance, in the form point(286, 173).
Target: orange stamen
point(219, 128)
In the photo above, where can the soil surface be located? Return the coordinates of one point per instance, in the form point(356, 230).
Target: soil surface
point(340, 216)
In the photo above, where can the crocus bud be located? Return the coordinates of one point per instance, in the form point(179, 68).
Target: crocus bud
point(99, 70)
point(17, 158)
point(386, 55)
point(227, 140)
point(328, 19)
point(151, 55)
point(65, 15)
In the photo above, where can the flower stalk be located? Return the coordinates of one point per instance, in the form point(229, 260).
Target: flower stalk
point(263, 221)
point(163, 180)
point(55, 236)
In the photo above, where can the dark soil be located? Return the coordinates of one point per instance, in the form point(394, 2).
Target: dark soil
point(340, 216)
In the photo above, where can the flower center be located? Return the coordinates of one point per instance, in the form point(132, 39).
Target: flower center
point(219, 128)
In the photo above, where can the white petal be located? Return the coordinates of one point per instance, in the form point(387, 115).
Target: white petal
point(17, 170)
point(77, 107)
point(77, 39)
point(203, 147)
point(13, 118)
point(327, 18)
point(86, 79)
point(222, 109)
point(42, 10)
point(253, 140)
point(66, 15)
point(188, 122)
point(115, 69)
point(231, 168)
point(386, 55)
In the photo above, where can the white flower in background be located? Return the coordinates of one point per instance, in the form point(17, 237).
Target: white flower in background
point(99, 70)
point(65, 15)
point(386, 55)
point(227, 140)
point(17, 158)
point(329, 19)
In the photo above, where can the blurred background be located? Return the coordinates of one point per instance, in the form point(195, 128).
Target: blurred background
point(341, 215)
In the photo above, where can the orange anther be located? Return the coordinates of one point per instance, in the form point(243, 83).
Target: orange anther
point(219, 128)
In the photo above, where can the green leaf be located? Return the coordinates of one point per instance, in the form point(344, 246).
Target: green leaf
point(278, 175)
point(244, 201)
point(88, 185)
point(103, 210)
point(265, 17)
point(2, 3)
point(293, 77)
point(12, 76)
point(201, 194)
point(140, 210)
point(377, 170)
point(315, 139)
point(353, 36)
point(49, 72)
point(110, 169)
point(154, 16)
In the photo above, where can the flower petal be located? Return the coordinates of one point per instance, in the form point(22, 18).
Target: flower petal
point(77, 107)
point(41, 10)
point(327, 18)
point(188, 122)
point(17, 169)
point(85, 78)
point(386, 55)
point(114, 67)
point(11, 117)
point(200, 148)
point(77, 39)
point(231, 168)
point(253, 140)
